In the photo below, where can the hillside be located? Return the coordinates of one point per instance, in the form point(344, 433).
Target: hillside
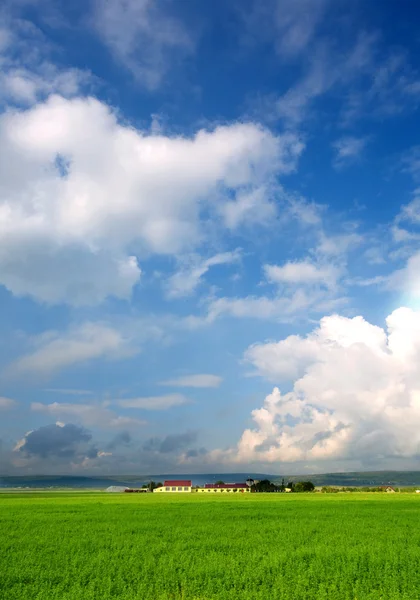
point(356, 479)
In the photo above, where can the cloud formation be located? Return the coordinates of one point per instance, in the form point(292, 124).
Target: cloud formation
point(57, 441)
point(55, 351)
point(185, 281)
point(302, 287)
point(356, 394)
point(173, 443)
point(83, 195)
point(303, 272)
point(28, 72)
point(89, 415)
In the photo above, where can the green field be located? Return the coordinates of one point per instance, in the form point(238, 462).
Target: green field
point(99, 546)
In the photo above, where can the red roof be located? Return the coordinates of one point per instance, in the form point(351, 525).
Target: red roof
point(177, 483)
point(226, 485)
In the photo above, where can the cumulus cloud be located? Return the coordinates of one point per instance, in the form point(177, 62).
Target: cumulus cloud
point(28, 73)
point(407, 278)
point(143, 37)
point(83, 195)
point(58, 441)
point(185, 281)
point(155, 402)
point(200, 380)
point(356, 394)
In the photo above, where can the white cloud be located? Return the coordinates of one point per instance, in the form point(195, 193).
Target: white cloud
point(55, 351)
point(407, 279)
point(302, 288)
point(202, 380)
point(154, 402)
point(307, 213)
point(411, 164)
point(82, 194)
point(296, 23)
point(249, 207)
point(185, 281)
point(356, 394)
point(411, 212)
point(26, 71)
point(143, 37)
point(348, 149)
point(290, 26)
point(289, 358)
point(375, 82)
point(327, 69)
point(6, 403)
point(303, 273)
point(90, 415)
point(392, 87)
point(337, 245)
point(283, 308)
point(23, 86)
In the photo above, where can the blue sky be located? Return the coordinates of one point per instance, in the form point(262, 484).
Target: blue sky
point(209, 236)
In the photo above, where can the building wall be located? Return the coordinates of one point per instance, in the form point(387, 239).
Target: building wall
point(246, 490)
point(170, 489)
point(189, 489)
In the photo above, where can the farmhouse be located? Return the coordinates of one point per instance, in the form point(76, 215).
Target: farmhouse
point(175, 485)
point(388, 489)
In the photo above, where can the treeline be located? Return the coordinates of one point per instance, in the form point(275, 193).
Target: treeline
point(265, 485)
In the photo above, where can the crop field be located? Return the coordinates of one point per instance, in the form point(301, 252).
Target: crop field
point(68, 546)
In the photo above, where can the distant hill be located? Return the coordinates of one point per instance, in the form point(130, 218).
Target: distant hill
point(358, 479)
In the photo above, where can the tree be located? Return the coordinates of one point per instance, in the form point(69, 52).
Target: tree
point(304, 486)
point(219, 483)
point(265, 485)
point(152, 485)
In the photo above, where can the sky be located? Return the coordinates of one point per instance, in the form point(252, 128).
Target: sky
point(209, 236)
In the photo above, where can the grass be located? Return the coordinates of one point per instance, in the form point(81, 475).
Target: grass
point(69, 546)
